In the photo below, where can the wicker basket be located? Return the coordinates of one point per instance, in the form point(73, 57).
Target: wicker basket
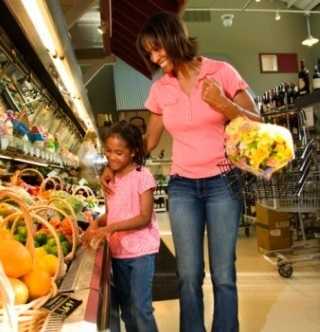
point(88, 191)
point(44, 193)
point(59, 184)
point(15, 179)
point(43, 210)
point(26, 317)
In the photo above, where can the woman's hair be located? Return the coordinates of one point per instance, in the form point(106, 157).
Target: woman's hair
point(165, 30)
point(133, 138)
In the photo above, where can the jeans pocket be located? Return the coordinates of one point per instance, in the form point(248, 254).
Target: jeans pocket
point(233, 182)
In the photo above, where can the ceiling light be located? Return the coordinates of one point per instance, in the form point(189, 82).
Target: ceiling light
point(277, 16)
point(310, 40)
point(36, 14)
point(43, 24)
point(258, 0)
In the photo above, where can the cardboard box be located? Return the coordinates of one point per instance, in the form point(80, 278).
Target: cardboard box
point(274, 238)
point(272, 229)
point(270, 217)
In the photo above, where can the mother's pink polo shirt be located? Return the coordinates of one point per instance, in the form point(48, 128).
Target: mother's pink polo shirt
point(196, 128)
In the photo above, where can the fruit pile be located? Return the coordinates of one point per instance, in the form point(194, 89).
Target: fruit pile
point(44, 240)
point(30, 277)
point(48, 243)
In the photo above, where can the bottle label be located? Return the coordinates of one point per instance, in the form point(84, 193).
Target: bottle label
point(302, 84)
point(316, 83)
point(302, 87)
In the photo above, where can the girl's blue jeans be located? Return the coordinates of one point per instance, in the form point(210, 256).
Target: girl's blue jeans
point(133, 288)
point(196, 204)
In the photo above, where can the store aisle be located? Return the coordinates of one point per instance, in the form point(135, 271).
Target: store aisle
point(267, 302)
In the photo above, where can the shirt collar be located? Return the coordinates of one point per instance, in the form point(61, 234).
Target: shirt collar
point(207, 67)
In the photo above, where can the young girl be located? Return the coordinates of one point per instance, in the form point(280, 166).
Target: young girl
point(131, 227)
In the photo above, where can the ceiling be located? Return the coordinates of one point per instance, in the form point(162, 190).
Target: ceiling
point(302, 4)
point(94, 49)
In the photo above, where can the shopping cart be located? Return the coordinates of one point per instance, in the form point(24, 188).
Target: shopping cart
point(294, 190)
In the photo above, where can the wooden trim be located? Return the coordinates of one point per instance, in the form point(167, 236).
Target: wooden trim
point(106, 24)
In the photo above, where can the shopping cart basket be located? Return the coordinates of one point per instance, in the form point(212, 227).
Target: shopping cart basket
point(294, 190)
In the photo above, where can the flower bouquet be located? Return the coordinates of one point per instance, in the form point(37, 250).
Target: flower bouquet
point(258, 148)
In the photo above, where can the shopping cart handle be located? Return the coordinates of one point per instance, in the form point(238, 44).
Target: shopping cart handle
point(307, 148)
point(303, 177)
point(305, 161)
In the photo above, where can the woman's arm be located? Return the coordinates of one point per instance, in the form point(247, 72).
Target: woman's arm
point(242, 103)
point(101, 220)
point(106, 177)
point(137, 222)
point(154, 131)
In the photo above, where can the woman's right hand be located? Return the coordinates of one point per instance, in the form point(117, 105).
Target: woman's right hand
point(106, 178)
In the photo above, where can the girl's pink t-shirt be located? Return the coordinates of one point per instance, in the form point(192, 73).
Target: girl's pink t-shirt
point(196, 128)
point(124, 204)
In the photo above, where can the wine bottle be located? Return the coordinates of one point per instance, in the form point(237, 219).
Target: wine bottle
point(304, 80)
point(316, 78)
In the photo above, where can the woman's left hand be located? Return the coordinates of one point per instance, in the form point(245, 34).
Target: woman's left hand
point(213, 94)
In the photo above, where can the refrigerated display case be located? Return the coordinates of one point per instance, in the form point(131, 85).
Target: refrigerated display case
point(38, 129)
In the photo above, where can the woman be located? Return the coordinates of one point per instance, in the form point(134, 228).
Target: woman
point(193, 101)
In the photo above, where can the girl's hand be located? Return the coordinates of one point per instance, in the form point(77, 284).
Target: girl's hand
point(99, 235)
point(105, 232)
point(87, 236)
point(213, 94)
point(106, 178)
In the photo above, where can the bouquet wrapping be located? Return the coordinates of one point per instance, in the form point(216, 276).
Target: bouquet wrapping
point(258, 148)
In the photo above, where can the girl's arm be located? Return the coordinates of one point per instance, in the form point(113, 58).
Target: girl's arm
point(137, 222)
point(106, 177)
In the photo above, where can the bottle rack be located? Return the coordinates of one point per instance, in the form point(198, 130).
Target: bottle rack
point(160, 196)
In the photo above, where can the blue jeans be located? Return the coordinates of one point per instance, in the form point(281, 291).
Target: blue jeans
point(196, 204)
point(133, 287)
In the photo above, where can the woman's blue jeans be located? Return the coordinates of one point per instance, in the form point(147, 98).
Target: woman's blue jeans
point(133, 288)
point(196, 204)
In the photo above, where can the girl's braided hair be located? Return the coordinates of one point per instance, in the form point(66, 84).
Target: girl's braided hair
point(132, 136)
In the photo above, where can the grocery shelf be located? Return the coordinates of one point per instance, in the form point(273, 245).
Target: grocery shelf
point(20, 158)
point(308, 100)
point(29, 161)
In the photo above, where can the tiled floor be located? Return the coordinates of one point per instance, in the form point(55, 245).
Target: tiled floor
point(267, 302)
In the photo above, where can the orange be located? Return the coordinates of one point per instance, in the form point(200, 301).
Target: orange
point(16, 259)
point(5, 234)
point(38, 282)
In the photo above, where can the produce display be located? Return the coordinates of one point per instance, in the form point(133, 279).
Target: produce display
point(39, 236)
point(258, 148)
point(30, 272)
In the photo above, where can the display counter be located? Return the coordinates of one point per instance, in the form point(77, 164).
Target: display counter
point(86, 287)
